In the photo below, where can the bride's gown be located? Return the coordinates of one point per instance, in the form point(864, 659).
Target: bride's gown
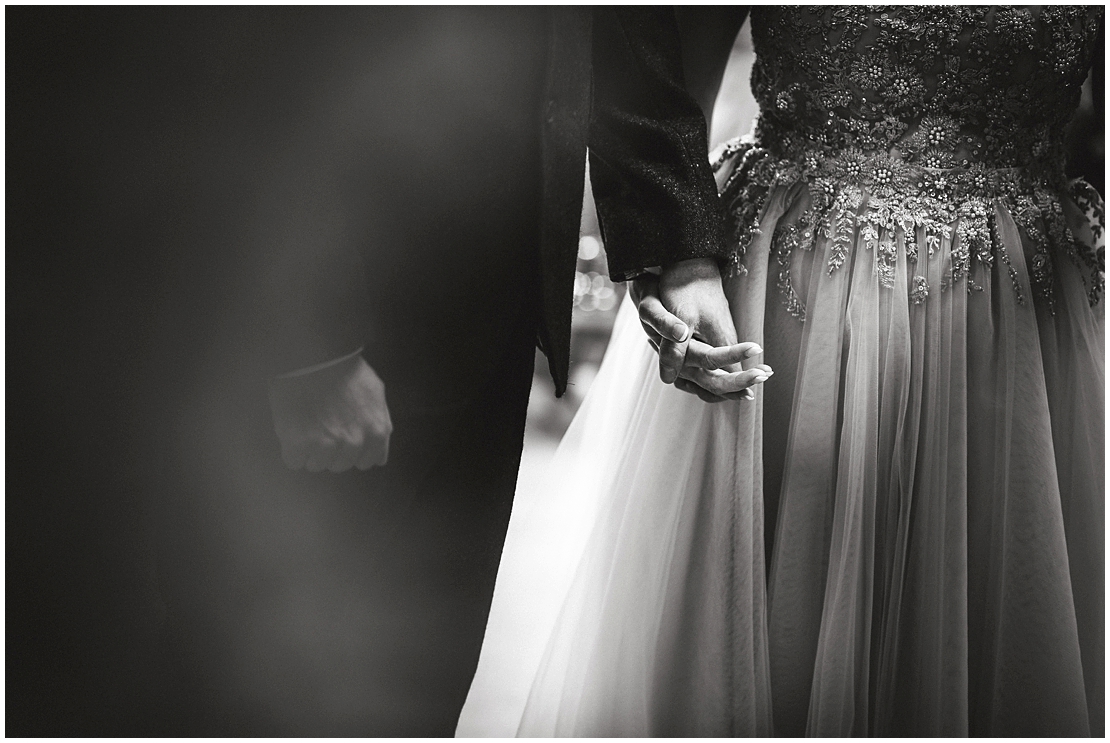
point(924, 472)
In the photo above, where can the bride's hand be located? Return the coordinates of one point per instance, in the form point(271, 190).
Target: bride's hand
point(705, 379)
point(685, 302)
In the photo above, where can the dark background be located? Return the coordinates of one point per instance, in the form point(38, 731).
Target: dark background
point(114, 215)
point(140, 565)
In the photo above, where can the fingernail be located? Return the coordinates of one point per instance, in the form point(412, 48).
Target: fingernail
point(769, 372)
point(748, 395)
point(753, 351)
point(761, 378)
point(679, 332)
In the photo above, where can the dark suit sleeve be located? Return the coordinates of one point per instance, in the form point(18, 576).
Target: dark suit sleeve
point(649, 165)
point(707, 34)
point(313, 305)
point(1098, 71)
point(307, 282)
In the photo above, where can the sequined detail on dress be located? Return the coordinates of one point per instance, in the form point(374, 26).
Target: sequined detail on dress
point(916, 121)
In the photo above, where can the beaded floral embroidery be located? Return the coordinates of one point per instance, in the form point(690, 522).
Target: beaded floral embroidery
point(915, 123)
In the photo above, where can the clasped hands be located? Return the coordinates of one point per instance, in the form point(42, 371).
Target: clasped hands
point(337, 418)
point(688, 321)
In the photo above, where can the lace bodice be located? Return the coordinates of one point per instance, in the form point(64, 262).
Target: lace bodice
point(913, 123)
point(939, 86)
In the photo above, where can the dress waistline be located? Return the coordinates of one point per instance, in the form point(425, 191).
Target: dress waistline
point(852, 192)
point(886, 174)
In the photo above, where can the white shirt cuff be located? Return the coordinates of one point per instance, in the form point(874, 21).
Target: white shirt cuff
point(319, 367)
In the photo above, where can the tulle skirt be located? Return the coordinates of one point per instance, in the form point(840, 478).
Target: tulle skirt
point(901, 534)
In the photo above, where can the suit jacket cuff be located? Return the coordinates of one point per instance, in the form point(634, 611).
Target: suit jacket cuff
point(656, 197)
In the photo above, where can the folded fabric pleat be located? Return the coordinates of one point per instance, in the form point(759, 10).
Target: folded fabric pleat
point(933, 501)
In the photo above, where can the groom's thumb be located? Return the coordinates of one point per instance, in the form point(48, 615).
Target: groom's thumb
point(716, 327)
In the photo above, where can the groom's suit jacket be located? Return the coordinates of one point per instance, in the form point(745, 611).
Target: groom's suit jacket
point(465, 186)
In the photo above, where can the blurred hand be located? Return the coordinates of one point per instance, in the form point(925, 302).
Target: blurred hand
point(687, 319)
point(332, 419)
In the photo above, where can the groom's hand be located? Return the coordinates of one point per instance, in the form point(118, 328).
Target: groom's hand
point(332, 419)
point(687, 318)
